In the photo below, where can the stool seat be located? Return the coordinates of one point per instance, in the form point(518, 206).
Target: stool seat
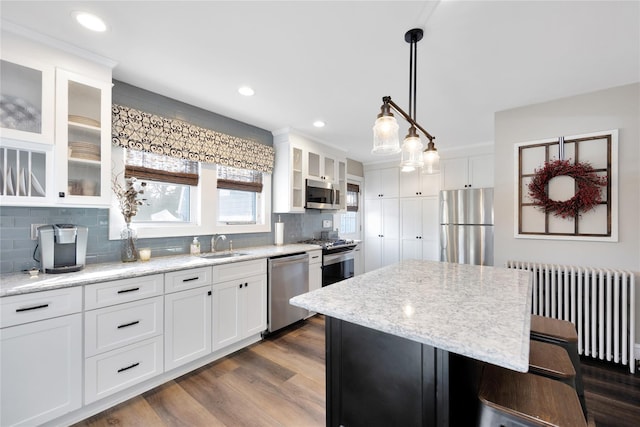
point(551, 361)
point(561, 330)
point(562, 333)
point(512, 398)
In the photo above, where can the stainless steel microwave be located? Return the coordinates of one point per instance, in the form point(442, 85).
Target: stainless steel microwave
point(321, 195)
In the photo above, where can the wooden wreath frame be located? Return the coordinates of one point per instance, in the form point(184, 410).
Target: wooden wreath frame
point(587, 194)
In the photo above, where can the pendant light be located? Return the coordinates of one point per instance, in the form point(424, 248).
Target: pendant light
point(385, 130)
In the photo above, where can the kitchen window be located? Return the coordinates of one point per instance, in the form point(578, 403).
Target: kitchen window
point(211, 210)
point(170, 182)
point(240, 196)
point(349, 222)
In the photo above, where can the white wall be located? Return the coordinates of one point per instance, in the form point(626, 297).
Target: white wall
point(614, 108)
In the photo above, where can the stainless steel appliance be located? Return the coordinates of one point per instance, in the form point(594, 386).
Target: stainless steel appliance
point(338, 257)
point(62, 247)
point(288, 277)
point(321, 195)
point(466, 226)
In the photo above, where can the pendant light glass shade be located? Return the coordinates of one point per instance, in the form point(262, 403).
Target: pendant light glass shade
point(411, 157)
point(431, 160)
point(385, 135)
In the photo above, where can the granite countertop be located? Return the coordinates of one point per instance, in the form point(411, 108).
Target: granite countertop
point(21, 283)
point(476, 311)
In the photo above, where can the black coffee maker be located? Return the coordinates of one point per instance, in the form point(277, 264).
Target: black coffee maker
point(63, 247)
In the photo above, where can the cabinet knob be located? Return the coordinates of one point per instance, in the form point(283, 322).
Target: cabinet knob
point(209, 293)
point(61, 194)
point(246, 285)
point(240, 285)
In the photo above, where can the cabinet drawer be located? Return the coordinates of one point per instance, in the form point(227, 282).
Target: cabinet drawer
point(187, 279)
point(35, 306)
point(112, 327)
point(116, 370)
point(118, 291)
point(315, 256)
point(239, 270)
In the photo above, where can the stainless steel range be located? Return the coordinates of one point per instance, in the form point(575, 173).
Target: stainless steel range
point(338, 257)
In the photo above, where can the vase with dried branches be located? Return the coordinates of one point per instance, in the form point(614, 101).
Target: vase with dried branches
point(128, 201)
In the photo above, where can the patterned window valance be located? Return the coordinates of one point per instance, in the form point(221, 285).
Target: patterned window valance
point(137, 130)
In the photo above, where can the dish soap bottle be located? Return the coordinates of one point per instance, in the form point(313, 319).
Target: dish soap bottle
point(195, 247)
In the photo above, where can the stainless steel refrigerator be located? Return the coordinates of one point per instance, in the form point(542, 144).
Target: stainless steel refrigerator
point(466, 226)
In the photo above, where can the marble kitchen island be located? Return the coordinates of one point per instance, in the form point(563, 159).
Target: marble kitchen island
point(405, 342)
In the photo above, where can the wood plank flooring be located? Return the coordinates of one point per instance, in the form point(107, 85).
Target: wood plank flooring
point(280, 382)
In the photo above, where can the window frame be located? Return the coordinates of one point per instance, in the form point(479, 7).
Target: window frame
point(202, 197)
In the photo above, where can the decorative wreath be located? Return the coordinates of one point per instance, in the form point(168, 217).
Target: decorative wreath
point(586, 198)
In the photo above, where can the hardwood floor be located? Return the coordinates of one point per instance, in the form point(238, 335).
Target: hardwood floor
point(277, 382)
point(280, 382)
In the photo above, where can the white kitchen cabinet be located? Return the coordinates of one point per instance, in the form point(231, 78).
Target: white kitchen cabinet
point(239, 301)
point(288, 178)
point(358, 261)
point(26, 169)
point(382, 233)
point(83, 139)
point(40, 356)
point(27, 88)
point(342, 184)
point(298, 159)
point(381, 183)
point(419, 224)
point(417, 184)
point(467, 172)
point(315, 270)
point(123, 334)
point(188, 326)
point(116, 370)
point(321, 166)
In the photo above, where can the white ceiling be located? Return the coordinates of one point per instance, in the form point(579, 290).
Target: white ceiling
point(334, 60)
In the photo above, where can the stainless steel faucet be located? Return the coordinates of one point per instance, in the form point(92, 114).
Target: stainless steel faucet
point(215, 239)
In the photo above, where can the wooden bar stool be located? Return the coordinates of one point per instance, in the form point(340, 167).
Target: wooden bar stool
point(551, 361)
point(509, 398)
point(562, 333)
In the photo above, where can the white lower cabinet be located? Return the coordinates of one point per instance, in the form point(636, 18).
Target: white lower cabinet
point(239, 302)
point(110, 372)
point(123, 335)
point(40, 361)
point(315, 270)
point(187, 325)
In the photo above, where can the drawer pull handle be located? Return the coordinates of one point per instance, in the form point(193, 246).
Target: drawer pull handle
point(314, 257)
point(124, 291)
point(128, 324)
point(128, 367)
point(191, 279)
point(35, 307)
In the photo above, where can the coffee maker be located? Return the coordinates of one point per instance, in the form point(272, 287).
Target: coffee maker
point(63, 247)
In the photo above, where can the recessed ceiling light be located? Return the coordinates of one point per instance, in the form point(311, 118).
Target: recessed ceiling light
point(246, 91)
point(90, 21)
point(319, 123)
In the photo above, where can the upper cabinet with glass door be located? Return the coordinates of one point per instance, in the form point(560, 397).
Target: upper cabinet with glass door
point(26, 99)
point(83, 132)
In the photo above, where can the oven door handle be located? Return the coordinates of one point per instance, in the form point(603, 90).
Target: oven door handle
point(337, 258)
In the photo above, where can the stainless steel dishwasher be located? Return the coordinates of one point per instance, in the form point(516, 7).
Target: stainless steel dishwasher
point(288, 277)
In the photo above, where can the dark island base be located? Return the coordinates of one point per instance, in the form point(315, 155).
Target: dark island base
point(378, 379)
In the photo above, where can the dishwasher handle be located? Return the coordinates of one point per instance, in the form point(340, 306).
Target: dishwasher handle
point(285, 260)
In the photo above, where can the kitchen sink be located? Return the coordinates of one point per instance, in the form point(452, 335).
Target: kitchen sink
point(215, 255)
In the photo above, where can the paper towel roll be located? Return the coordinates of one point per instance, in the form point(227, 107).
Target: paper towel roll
point(279, 233)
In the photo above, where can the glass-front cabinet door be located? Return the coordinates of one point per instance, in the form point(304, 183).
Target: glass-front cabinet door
point(26, 99)
point(83, 133)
